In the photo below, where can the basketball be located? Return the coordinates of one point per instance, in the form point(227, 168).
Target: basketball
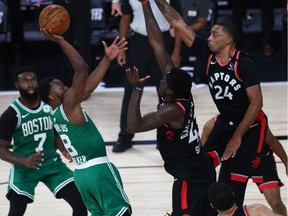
point(54, 17)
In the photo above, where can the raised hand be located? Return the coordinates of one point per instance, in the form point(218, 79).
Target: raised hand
point(116, 9)
point(34, 160)
point(133, 77)
point(49, 34)
point(115, 48)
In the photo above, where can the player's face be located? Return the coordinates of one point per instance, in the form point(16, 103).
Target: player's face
point(27, 85)
point(58, 88)
point(217, 39)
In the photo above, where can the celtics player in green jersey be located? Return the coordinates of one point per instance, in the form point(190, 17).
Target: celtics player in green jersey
point(97, 179)
point(34, 158)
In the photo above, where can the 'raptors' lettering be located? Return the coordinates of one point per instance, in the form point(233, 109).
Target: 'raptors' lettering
point(221, 76)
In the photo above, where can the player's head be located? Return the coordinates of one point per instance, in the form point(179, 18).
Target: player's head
point(52, 90)
point(221, 196)
point(223, 34)
point(25, 79)
point(179, 83)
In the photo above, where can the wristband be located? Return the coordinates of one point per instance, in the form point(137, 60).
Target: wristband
point(138, 88)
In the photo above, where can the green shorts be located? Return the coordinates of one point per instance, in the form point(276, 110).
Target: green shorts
point(102, 190)
point(24, 180)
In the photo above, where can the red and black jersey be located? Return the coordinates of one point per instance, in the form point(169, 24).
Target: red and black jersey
point(181, 149)
point(228, 83)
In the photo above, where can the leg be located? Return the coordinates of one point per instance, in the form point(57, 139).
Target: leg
point(271, 184)
point(18, 203)
point(239, 188)
point(71, 195)
point(273, 197)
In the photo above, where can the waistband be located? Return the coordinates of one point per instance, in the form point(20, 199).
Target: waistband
point(93, 162)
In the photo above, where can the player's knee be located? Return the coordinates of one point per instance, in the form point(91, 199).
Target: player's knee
point(277, 205)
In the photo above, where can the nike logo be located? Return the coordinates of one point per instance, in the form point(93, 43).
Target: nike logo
point(24, 116)
point(55, 159)
point(213, 62)
point(253, 125)
point(231, 67)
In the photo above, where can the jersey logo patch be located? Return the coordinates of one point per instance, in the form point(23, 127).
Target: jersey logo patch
point(213, 62)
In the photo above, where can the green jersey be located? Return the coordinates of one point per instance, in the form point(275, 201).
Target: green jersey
point(34, 132)
point(83, 142)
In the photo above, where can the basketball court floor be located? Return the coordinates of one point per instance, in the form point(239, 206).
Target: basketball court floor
point(146, 183)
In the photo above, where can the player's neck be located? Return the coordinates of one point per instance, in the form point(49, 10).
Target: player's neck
point(225, 55)
point(31, 104)
point(228, 212)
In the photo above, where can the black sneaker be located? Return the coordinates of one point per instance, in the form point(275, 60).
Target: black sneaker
point(121, 146)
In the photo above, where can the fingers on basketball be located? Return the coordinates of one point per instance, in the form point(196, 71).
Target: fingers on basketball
point(54, 17)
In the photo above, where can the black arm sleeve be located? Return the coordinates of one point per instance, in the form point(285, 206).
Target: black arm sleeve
point(247, 70)
point(8, 122)
point(126, 7)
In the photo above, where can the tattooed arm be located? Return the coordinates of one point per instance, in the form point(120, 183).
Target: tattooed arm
point(176, 21)
point(156, 39)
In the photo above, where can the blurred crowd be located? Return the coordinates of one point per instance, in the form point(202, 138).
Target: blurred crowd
point(93, 15)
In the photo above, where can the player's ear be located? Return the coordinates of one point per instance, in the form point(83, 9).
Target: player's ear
point(212, 206)
point(170, 91)
point(229, 40)
point(16, 85)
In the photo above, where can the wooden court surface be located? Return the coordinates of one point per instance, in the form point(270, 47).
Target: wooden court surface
point(146, 183)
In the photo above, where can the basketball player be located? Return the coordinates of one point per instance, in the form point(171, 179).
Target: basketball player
point(271, 182)
point(34, 158)
point(236, 91)
point(177, 130)
point(97, 179)
point(222, 198)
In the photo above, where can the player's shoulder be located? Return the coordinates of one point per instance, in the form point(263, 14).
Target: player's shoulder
point(257, 209)
point(240, 54)
point(9, 112)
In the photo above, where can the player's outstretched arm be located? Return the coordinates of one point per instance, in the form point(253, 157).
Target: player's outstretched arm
point(156, 39)
point(176, 21)
point(118, 45)
point(138, 123)
point(60, 146)
point(255, 98)
point(73, 96)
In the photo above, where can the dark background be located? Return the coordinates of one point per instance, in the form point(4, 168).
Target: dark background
point(46, 56)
